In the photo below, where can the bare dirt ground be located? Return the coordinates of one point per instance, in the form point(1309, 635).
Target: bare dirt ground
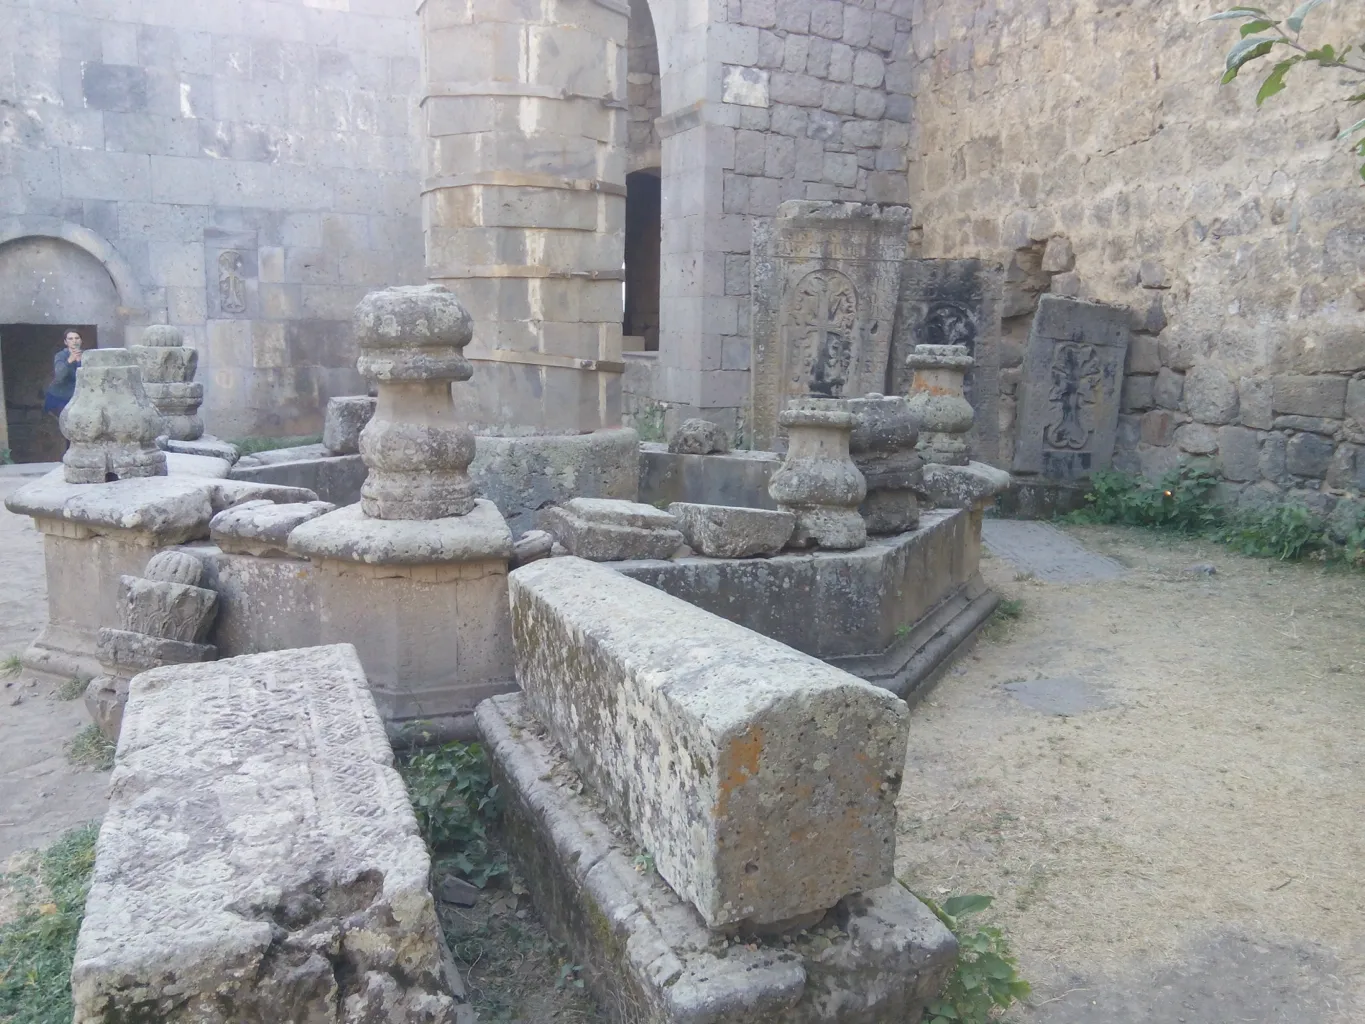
point(42, 794)
point(1194, 851)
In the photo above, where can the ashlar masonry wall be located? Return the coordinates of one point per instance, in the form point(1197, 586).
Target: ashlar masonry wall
point(1087, 145)
point(245, 169)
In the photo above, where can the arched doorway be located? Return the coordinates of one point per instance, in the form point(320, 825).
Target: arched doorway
point(47, 286)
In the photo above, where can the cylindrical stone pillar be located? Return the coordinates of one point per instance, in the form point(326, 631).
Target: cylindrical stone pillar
point(937, 401)
point(525, 112)
point(818, 481)
point(417, 449)
point(168, 369)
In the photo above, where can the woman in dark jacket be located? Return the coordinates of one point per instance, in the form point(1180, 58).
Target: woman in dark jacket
point(65, 365)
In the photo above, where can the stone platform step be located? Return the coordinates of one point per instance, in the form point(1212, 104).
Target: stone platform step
point(1047, 553)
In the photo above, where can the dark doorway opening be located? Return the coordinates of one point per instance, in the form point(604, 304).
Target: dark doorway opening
point(26, 352)
point(644, 228)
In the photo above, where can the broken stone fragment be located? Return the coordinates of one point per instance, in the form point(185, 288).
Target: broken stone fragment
point(531, 546)
point(762, 780)
point(719, 531)
point(111, 423)
point(607, 530)
point(698, 437)
point(124, 654)
point(171, 610)
point(262, 528)
point(346, 418)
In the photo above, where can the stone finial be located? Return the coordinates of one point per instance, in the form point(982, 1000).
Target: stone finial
point(883, 449)
point(938, 403)
point(698, 437)
point(412, 343)
point(174, 567)
point(168, 370)
point(818, 482)
point(111, 423)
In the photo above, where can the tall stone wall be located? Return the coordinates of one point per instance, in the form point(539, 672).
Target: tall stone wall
point(249, 169)
point(1087, 145)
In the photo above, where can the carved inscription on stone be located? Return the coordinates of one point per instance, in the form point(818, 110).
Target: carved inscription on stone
point(819, 322)
point(1069, 397)
point(955, 302)
point(231, 282)
point(826, 279)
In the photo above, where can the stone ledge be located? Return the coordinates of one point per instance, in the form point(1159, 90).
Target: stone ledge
point(647, 954)
point(348, 535)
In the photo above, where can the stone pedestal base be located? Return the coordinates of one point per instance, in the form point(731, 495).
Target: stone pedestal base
point(878, 956)
point(522, 475)
point(423, 601)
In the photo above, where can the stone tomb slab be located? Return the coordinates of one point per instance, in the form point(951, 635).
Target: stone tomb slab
point(955, 302)
point(260, 860)
point(649, 958)
point(1046, 553)
point(1064, 696)
point(762, 780)
point(826, 278)
point(1069, 395)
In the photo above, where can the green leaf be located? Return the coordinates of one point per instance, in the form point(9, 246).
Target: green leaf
point(1252, 27)
point(1326, 55)
point(959, 906)
point(1245, 51)
point(1295, 20)
point(1237, 12)
point(1358, 126)
point(1274, 82)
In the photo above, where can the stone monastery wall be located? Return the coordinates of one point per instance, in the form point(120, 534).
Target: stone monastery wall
point(1087, 145)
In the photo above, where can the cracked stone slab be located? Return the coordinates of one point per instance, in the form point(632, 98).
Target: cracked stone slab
point(1047, 553)
point(260, 860)
point(1063, 696)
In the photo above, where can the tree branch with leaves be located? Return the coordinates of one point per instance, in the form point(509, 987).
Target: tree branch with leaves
point(1263, 34)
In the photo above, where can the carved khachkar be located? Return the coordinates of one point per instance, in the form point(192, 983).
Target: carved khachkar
point(231, 283)
point(168, 368)
point(1073, 372)
point(165, 615)
point(111, 423)
point(825, 283)
point(818, 481)
point(412, 343)
point(955, 302)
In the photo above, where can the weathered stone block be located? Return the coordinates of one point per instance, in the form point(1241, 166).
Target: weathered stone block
point(1355, 400)
point(260, 860)
point(1255, 401)
point(1297, 395)
point(1308, 455)
point(717, 531)
point(698, 437)
point(1197, 439)
point(262, 528)
point(1138, 393)
point(346, 418)
point(1210, 396)
point(605, 530)
point(1158, 427)
point(1274, 454)
point(762, 780)
point(1169, 388)
point(1144, 355)
point(171, 610)
point(650, 959)
point(1312, 424)
point(1239, 453)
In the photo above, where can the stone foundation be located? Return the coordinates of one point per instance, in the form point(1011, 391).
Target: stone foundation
point(647, 955)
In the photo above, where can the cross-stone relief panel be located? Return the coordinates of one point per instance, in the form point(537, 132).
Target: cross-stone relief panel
point(825, 287)
point(955, 302)
point(1073, 371)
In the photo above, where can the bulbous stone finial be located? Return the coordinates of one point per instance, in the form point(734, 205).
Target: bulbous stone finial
point(110, 422)
point(936, 399)
point(168, 369)
point(412, 343)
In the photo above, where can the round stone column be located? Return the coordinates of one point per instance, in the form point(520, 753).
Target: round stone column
point(818, 481)
point(937, 401)
point(168, 369)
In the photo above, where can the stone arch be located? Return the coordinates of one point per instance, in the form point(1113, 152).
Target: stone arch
point(131, 303)
point(52, 280)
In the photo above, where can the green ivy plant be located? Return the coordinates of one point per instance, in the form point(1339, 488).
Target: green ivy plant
point(455, 801)
point(986, 979)
point(1264, 34)
point(1178, 501)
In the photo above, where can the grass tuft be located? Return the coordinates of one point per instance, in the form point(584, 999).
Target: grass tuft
point(36, 950)
point(72, 689)
point(90, 749)
point(11, 667)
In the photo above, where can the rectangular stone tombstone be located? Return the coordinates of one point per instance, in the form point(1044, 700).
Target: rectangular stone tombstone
point(260, 860)
point(1069, 396)
point(955, 302)
point(826, 278)
point(762, 780)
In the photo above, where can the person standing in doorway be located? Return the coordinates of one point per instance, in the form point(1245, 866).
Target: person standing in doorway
point(65, 365)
